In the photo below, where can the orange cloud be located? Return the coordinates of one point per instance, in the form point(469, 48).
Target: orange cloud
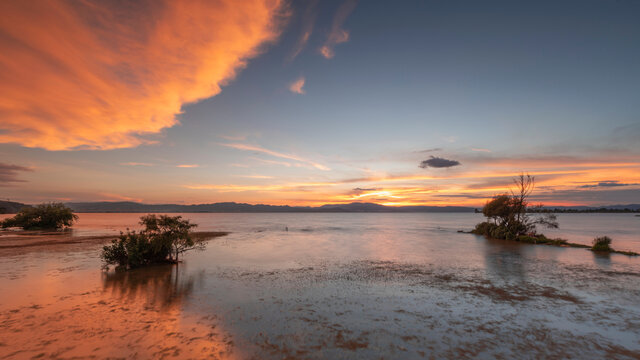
point(102, 75)
point(338, 35)
point(188, 165)
point(296, 86)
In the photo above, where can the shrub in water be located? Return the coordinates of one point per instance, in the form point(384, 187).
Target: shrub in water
point(602, 244)
point(44, 216)
point(484, 228)
point(163, 239)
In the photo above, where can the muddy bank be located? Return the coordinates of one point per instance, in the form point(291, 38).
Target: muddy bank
point(14, 242)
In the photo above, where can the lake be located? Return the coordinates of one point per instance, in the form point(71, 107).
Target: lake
point(327, 285)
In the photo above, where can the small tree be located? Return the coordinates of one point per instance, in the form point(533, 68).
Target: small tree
point(163, 239)
point(43, 216)
point(510, 212)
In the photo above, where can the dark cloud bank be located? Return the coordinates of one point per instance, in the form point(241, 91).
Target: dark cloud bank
point(9, 173)
point(606, 184)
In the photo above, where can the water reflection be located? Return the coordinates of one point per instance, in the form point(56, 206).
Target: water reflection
point(161, 286)
point(602, 258)
point(504, 261)
point(353, 286)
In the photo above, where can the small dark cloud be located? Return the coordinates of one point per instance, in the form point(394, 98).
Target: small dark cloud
point(9, 173)
point(359, 190)
point(438, 162)
point(428, 150)
point(607, 184)
point(364, 189)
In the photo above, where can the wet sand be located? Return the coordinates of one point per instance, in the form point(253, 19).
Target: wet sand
point(322, 290)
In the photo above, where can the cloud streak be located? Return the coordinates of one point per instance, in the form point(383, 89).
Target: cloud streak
point(308, 21)
point(259, 149)
point(338, 35)
point(608, 184)
point(132, 163)
point(9, 173)
point(105, 75)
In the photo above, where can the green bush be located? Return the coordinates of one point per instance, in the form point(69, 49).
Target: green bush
point(530, 239)
point(163, 239)
point(499, 232)
point(42, 217)
point(132, 250)
point(484, 228)
point(602, 244)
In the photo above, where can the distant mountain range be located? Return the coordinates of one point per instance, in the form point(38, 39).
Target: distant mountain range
point(232, 207)
point(607, 208)
point(9, 207)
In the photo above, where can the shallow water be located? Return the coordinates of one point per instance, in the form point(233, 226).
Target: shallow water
point(329, 286)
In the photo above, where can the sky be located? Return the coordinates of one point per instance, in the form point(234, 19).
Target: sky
point(318, 102)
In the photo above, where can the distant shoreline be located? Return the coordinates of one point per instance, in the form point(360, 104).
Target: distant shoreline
point(232, 207)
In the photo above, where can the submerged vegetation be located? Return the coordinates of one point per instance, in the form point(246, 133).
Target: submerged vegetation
point(511, 217)
point(162, 240)
point(603, 245)
point(50, 216)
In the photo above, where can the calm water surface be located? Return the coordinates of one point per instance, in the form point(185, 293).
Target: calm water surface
point(328, 286)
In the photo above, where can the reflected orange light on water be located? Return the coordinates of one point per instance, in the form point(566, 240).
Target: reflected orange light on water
point(136, 313)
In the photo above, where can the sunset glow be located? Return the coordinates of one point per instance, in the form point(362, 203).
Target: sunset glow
point(308, 103)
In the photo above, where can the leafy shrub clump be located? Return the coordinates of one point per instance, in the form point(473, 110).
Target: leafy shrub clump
point(484, 228)
point(602, 244)
point(51, 216)
point(162, 240)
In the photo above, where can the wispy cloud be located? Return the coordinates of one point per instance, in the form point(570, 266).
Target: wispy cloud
point(361, 190)
point(297, 86)
point(438, 162)
point(308, 21)
point(259, 188)
point(129, 67)
point(480, 150)
point(188, 165)
point(112, 197)
point(608, 184)
point(136, 164)
point(338, 35)
point(428, 150)
point(259, 149)
point(257, 176)
point(233, 138)
point(275, 162)
point(9, 173)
